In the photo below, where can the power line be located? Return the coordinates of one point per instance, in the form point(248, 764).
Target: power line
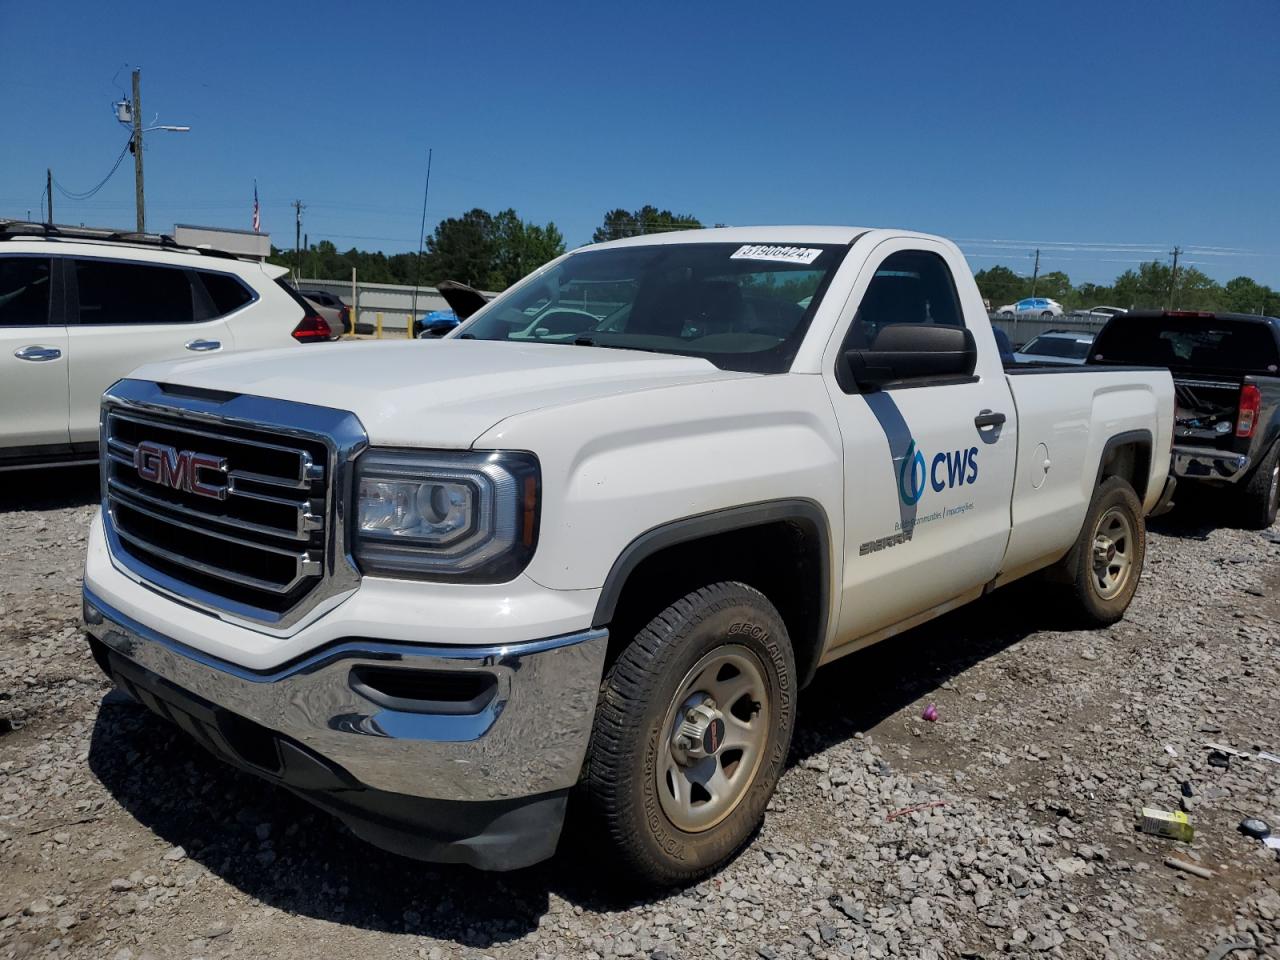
point(85, 195)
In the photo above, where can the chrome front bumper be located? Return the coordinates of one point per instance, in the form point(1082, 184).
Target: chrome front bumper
point(1206, 463)
point(530, 738)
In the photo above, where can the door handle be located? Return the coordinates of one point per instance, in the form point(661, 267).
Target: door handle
point(37, 353)
point(201, 346)
point(988, 418)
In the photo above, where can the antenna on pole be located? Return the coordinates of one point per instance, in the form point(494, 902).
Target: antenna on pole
point(417, 264)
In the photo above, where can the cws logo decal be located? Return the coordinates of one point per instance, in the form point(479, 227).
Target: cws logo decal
point(945, 470)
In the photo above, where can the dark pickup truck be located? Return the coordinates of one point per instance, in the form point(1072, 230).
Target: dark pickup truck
point(1226, 376)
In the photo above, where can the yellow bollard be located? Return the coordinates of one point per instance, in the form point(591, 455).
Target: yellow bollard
point(379, 329)
point(408, 327)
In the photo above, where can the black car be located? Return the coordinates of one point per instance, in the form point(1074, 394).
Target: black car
point(1226, 377)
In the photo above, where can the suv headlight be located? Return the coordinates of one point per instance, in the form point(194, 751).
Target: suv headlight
point(469, 516)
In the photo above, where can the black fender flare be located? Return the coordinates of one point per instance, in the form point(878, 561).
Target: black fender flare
point(807, 513)
point(1140, 438)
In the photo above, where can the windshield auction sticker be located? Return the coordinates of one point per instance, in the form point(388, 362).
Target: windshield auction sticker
point(804, 255)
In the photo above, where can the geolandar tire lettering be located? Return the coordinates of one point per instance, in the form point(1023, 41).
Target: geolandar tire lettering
point(692, 733)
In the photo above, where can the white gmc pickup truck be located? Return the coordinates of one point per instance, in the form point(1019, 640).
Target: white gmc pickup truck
point(597, 540)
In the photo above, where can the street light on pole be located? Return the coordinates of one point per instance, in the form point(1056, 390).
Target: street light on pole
point(130, 114)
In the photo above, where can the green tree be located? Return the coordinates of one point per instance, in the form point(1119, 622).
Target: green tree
point(1245, 295)
point(621, 223)
point(465, 248)
point(1056, 285)
point(1001, 285)
point(1094, 294)
point(1193, 290)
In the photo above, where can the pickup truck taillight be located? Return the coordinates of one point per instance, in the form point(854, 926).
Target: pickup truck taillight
point(312, 328)
point(1247, 415)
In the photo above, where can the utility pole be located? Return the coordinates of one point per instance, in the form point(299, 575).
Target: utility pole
point(137, 152)
point(298, 207)
point(48, 185)
point(1176, 252)
point(1035, 274)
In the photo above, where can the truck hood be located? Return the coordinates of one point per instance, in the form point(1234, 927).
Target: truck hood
point(435, 393)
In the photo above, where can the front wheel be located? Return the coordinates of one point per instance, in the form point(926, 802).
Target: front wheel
point(1106, 562)
point(692, 733)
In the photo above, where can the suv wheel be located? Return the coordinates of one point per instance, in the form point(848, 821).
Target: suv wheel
point(692, 733)
point(1261, 495)
point(1106, 562)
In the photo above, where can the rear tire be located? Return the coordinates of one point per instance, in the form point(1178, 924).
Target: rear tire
point(1106, 562)
point(646, 775)
point(1261, 495)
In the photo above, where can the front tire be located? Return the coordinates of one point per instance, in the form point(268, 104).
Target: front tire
point(1261, 496)
point(1106, 562)
point(692, 733)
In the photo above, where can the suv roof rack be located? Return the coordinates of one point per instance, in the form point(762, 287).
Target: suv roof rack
point(21, 229)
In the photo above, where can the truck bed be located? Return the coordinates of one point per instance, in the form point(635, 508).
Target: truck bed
point(1068, 415)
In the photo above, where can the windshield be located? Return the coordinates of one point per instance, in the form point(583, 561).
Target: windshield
point(1065, 347)
point(742, 307)
point(1208, 343)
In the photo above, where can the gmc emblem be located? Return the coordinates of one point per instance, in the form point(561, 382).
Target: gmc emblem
point(179, 470)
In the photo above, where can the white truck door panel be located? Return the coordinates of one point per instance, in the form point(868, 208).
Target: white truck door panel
point(926, 487)
point(1065, 421)
point(33, 358)
point(129, 314)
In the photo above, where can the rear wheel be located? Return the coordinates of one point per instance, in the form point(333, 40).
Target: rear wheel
point(1261, 495)
point(1047, 315)
point(1106, 562)
point(692, 733)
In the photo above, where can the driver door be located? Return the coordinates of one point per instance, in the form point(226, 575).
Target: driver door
point(927, 484)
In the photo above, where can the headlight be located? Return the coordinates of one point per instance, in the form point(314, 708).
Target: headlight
point(445, 516)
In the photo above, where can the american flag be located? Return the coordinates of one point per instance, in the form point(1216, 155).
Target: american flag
point(257, 222)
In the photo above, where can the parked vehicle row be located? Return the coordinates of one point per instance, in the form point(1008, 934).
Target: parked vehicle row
point(81, 308)
point(596, 539)
point(1226, 373)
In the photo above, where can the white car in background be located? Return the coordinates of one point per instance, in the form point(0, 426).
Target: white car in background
point(1032, 307)
point(1056, 346)
point(81, 308)
point(1101, 313)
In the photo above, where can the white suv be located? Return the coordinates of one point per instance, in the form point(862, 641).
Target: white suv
point(80, 308)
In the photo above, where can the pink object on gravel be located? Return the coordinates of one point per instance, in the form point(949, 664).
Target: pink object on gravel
point(930, 713)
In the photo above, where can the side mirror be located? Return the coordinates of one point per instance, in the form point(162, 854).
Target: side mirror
point(910, 351)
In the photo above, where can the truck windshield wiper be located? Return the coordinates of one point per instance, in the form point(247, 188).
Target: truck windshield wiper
point(584, 341)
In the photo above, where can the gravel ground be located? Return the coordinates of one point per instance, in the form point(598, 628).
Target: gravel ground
point(120, 839)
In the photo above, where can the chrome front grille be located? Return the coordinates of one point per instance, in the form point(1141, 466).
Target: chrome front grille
point(232, 503)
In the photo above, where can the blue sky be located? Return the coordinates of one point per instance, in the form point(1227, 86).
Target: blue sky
point(1104, 132)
